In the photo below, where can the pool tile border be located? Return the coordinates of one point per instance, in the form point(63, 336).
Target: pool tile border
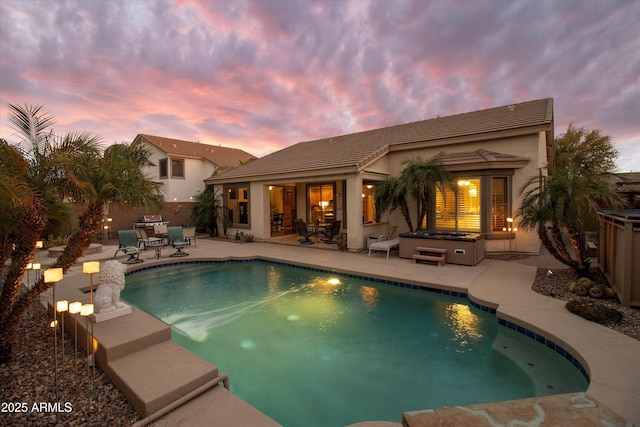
point(513, 326)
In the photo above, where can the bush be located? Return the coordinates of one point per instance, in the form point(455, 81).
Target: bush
point(596, 292)
point(586, 282)
point(247, 237)
point(51, 241)
point(341, 240)
point(582, 291)
point(595, 312)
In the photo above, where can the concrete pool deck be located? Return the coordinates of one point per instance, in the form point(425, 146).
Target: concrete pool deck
point(610, 358)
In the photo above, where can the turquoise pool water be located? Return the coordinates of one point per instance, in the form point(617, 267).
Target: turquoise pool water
point(315, 349)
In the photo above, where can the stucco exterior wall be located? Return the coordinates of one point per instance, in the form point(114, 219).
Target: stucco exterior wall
point(531, 146)
point(180, 189)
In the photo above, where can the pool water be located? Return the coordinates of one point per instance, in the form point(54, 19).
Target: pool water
point(315, 349)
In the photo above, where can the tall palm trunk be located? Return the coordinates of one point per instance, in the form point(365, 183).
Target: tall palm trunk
point(407, 217)
point(88, 224)
point(557, 249)
point(576, 239)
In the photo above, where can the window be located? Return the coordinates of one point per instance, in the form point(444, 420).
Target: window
point(480, 204)
point(162, 166)
point(459, 210)
point(321, 203)
point(177, 168)
point(368, 203)
point(499, 203)
point(237, 203)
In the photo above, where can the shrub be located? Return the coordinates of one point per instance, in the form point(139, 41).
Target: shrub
point(586, 282)
point(341, 240)
point(582, 291)
point(595, 312)
point(596, 292)
point(51, 241)
point(247, 237)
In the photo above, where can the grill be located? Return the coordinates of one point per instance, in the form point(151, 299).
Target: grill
point(149, 221)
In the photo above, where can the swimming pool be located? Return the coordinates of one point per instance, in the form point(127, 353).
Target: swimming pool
point(317, 349)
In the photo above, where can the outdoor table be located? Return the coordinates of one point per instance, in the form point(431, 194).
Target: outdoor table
point(157, 245)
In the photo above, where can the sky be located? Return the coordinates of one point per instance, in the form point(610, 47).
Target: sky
point(262, 75)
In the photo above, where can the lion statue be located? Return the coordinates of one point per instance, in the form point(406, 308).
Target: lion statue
point(107, 296)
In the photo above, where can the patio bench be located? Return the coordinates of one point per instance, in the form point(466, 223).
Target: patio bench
point(430, 254)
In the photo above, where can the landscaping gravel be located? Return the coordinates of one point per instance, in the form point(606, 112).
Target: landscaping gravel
point(27, 385)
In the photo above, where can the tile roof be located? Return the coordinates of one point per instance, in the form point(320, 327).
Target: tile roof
point(479, 159)
point(353, 152)
point(216, 154)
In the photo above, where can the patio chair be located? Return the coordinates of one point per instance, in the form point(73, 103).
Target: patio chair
point(301, 228)
point(277, 222)
point(176, 239)
point(384, 245)
point(189, 234)
point(128, 245)
point(333, 231)
point(160, 230)
point(143, 238)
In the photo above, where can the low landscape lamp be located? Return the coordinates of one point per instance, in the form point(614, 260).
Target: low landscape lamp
point(61, 307)
point(36, 267)
point(87, 310)
point(91, 268)
point(51, 275)
point(74, 308)
point(54, 275)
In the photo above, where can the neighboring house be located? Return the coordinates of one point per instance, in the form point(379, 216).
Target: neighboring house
point(183, 165)
point(627, 185)
point(491, 153)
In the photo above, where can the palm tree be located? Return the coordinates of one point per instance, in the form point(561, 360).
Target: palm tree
point(561, 204)
point(14, 192)
point(422, 179)
point(207, 208)
point(55, 168)
point(391, 194)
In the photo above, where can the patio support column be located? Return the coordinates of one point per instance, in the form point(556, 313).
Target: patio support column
point(354, 211)
point(259, 210)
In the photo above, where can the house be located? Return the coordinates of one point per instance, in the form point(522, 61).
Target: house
point(491, 154)
point(627, 186)
point(183, 165)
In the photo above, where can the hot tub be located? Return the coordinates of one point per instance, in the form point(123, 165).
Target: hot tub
point(462, 248)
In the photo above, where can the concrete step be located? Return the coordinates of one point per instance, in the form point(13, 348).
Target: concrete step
point(128, 334)
point(439, 259)
point(160, 374)
point(216, 407)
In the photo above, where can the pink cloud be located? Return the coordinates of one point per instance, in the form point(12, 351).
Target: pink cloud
point(263, 75)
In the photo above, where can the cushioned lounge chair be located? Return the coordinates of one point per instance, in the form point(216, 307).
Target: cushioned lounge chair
point(128, 245)
point(301, 228)
point(176, 239)
point(384, 245)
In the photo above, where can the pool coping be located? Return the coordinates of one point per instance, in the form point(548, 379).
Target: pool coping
point(609, 357)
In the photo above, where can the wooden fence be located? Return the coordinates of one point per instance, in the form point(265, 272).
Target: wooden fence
point(619, 253)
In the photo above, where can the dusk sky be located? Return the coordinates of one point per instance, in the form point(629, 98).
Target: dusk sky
point(262, 75)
